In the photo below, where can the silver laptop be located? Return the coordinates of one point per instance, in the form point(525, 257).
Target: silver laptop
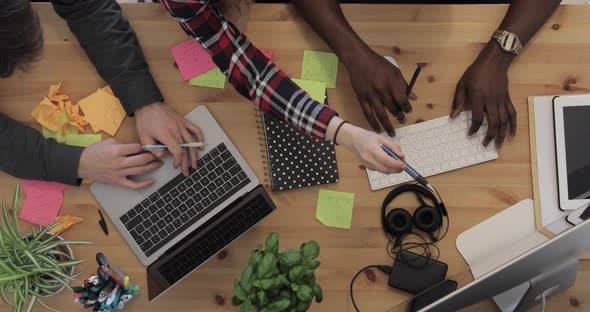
point(222, 197)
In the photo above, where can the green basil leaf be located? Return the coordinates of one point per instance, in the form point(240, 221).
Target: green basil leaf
point(310, 250)
point(255, 258)
point(302, 306)
point(267, 283)
point(240, 292)
point(262, 299)
point(266, 266)
point(295, 273)
point(317, 291)
point(291, 258)
point(311, 264)
point(246, 307)
point(246, 278)
point(285, 293)
point(235, 301)
point(279, 305)
point(305, 293)
point(272, 243)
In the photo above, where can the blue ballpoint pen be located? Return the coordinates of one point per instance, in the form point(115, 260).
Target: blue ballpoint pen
point(409, 170)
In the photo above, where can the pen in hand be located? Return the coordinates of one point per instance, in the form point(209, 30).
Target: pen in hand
point(162, 146)
point(409, 170)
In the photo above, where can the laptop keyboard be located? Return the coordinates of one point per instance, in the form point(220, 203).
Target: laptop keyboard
point(216, 239)
point(183, 200)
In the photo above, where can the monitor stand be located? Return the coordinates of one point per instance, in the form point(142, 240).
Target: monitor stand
point(500, 239)
point(561, 277)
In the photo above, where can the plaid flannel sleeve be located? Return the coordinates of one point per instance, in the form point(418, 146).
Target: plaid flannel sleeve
point(251, 73)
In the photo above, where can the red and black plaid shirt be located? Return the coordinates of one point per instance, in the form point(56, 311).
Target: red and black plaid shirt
point(252, 74)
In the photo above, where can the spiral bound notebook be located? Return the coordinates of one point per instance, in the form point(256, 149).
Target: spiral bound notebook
point(294, 159)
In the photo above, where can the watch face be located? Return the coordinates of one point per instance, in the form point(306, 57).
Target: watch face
point(508, 42)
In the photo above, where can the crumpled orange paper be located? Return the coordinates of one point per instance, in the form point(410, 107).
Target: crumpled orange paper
point(48, 112)
point(67, 221)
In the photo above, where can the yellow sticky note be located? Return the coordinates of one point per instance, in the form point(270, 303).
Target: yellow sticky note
point(320, 66)
point(211, 79)
point(66, 222)
point(335, 209)
point(83, 140)
point(48, 115)
point(315, 89)
point(103, 111)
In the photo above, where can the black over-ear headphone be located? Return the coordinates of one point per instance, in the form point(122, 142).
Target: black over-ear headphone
point(426, 218)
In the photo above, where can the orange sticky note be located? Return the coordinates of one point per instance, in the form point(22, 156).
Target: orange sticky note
point(66, 222)
point(103, 111)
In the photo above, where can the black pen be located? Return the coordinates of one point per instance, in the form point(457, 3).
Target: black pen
point(103, 223)
point(413, 81)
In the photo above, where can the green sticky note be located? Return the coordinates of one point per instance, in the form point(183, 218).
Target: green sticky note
point(335, 209)
point(211, 79)
point(82, 140)
point(57, 135)
point(315, 89)
point(320, 66)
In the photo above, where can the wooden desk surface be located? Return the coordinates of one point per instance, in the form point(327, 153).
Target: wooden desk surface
point(445, 38)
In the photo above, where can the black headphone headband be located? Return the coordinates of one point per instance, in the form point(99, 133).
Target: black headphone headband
point(413, 188)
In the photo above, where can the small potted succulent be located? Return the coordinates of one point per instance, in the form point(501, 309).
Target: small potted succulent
point(279, 281)
point(33, 266)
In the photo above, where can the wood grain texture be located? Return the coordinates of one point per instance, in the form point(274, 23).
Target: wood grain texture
point(446, 38)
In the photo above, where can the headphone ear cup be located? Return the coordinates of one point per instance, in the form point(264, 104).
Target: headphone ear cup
point(427, 219)
point(398, 222)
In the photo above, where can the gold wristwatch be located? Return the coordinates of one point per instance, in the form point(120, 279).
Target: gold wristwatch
point(508, 41)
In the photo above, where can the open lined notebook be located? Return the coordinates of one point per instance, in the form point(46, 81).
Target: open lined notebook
point(294, 159)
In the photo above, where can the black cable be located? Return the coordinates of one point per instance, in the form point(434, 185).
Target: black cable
point(383, 268)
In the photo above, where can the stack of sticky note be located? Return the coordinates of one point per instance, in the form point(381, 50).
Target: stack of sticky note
point(191, 59)
point(42, 202)
point(319, 72)
point(334, 209)
point(320, 66)
point(103, 111)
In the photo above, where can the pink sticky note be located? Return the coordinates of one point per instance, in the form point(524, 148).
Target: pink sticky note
point(192, 59)
point(268, 54)
point(43, 201)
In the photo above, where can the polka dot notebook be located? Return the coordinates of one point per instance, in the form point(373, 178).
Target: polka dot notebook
point(295, 159)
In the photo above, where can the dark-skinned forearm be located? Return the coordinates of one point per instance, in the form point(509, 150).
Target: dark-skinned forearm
point(327, 19)
point(524, 18)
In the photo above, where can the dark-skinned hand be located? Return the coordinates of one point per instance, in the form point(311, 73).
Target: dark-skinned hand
point(380, 87)
point(484, 89)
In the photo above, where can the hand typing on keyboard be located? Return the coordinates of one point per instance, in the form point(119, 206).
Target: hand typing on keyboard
point(437, 146)
point(484, 88)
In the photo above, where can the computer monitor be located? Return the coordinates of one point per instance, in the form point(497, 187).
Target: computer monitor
point(538, 273)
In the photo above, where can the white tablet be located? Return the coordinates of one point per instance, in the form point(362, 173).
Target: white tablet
point(572, 147)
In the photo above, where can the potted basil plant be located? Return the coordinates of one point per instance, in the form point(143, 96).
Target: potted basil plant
point(33, 266)
point(279, 281)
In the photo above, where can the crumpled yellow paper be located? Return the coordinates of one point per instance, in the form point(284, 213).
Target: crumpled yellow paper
point(76, 120)
point(48, 115)
point(67, 221)
point(48, 112)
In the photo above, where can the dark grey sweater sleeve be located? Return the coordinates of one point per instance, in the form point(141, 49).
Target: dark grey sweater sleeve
point(113, 48)
point(25, 154)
